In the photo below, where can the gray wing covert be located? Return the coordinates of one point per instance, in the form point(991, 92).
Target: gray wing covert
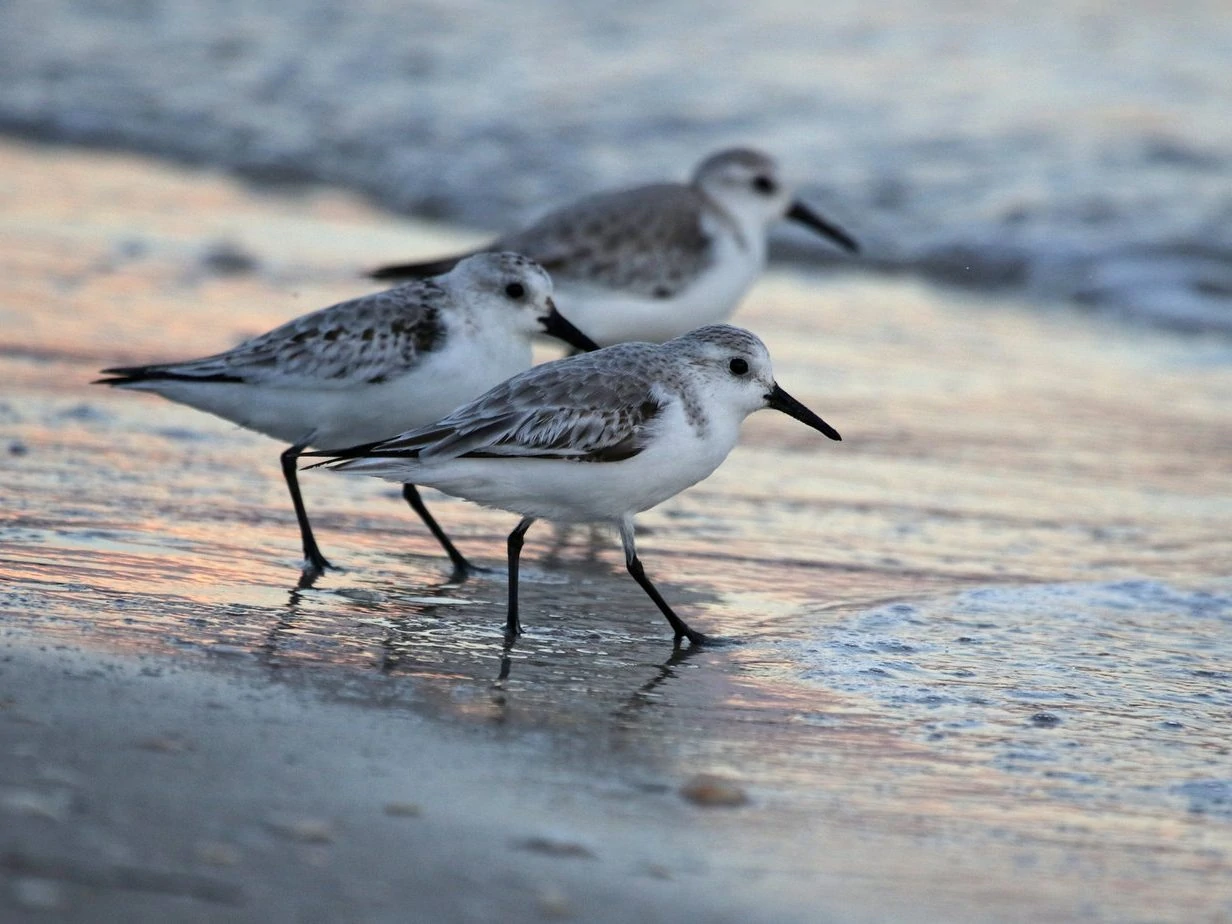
point(549, 413)
point(366, 339)
point(648, 240)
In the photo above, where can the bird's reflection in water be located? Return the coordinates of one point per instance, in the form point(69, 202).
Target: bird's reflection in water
point(449, 656)
point(303, 609)
point(426, 636)
point(614, 680)
point(643, 696)
point(267, 651)
point(506, 663)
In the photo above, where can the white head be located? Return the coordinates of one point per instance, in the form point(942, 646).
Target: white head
point(748, 184)
point(515, 292)
point(735, 367)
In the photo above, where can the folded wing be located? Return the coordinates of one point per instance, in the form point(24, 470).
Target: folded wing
point(649, 240)
point(549, 412)
point(366, 339)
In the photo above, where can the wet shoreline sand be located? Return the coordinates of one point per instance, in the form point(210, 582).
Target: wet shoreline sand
point(909, 709)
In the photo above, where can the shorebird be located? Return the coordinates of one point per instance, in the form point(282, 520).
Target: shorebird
point(591, 438)
point(372, 366)
point(653, 262)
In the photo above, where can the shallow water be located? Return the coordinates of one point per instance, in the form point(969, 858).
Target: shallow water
point(980, 647)
point(1075, 150)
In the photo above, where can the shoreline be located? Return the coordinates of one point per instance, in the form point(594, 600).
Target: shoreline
point(1170, 284)
point(184, 723)
point(207, 790)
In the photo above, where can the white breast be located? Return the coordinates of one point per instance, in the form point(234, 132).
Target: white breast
point(608, 316)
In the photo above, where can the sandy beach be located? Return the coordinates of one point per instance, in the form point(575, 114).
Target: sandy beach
point(982, 645)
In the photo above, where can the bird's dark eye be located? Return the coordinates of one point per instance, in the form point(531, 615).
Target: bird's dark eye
point(515, 290)
point(765, 185)
point(738, 366)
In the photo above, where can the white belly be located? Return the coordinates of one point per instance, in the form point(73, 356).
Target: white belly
point(574, 491)
point(339, 416)
point(609, 316)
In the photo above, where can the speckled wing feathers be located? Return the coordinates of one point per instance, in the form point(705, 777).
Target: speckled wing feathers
point(649, 240)
point(366, 339)
point(596, 408)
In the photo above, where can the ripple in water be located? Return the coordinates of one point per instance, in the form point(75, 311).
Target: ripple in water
point(1109, 692)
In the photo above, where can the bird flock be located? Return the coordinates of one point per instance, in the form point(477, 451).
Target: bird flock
point(431, 383)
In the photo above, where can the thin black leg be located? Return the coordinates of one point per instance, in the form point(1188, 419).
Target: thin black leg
point(634, 564)
point(513, 628)
point(506, 663)
point(314, 562)
point(462, 568)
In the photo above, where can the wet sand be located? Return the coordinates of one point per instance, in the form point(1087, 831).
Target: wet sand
point(981, 670)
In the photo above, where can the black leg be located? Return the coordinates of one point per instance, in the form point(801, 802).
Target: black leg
point(314, 562)
point(513, 628)
point(634, 564)
point(461, 567)
point(506, 663)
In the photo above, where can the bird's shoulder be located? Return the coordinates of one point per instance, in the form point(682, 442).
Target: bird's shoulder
point(647, 239)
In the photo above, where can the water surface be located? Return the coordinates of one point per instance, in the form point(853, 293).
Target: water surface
point(1072, 150)
point(981, 649)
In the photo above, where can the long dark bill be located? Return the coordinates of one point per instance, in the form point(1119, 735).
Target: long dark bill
point(806, 216)
point(781, 401)
point(555, 325)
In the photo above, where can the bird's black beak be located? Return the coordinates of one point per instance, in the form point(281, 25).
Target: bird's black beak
point(806, 216)
point(781, 401)
point(555, 325)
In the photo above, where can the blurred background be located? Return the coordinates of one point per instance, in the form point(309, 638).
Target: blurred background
point(1069, 150)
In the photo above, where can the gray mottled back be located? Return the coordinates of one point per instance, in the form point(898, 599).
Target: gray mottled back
point(364, 339)
point(649, 240)
point(598, 406)
point(371, 338)
point(592, 407)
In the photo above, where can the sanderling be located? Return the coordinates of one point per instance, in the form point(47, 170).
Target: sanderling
point(591, 438)
point(368, 367)
point(653, 262)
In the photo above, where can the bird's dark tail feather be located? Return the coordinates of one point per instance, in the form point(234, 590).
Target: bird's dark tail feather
point(416, 270)
point(358, 452)
point(127, 375)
